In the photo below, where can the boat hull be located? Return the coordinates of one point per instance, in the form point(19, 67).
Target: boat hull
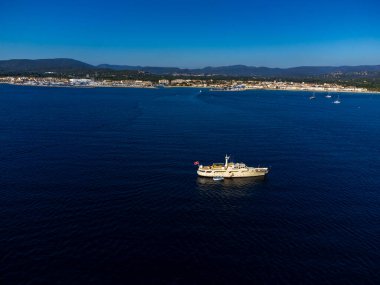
point(250, 172)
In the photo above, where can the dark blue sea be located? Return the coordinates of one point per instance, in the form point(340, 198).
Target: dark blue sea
point(98, 186)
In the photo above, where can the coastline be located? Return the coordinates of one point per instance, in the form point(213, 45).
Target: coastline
point(209, 89)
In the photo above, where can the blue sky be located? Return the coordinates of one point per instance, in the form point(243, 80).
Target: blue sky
point(193, 33)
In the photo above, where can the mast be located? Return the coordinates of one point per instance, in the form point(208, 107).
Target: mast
point(226, 163)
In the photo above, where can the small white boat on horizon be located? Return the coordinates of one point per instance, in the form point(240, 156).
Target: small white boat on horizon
point(337, 101)
point(328, 95)
point(312, 97)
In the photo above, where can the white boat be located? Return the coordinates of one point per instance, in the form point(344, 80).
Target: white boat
point(328, 95)
point(230, 170)
point(312, 97)
point(218, 178)
point(337, 101)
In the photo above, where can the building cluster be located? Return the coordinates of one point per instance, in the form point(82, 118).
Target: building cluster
point(74, 82)
point(216, 85)
point(35, 81)
point(124, 83)
point(283, 85)
point(236, 85)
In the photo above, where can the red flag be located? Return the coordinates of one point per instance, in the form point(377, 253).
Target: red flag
point(196, 162)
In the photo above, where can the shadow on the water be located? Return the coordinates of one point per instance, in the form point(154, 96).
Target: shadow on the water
point(229, 183)
point(229, 187)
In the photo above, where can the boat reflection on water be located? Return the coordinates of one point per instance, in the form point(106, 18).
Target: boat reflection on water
point(230, 182)
point(228, 188)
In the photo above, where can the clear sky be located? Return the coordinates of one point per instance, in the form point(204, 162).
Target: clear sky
point(193, 33)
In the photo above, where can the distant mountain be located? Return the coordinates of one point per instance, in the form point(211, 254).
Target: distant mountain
point(66, 65)
point(150, 69)
point(43, 65)
point(243, 70)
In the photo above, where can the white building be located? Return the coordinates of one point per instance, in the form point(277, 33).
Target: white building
point(164, 82)
point(178, 81)
point(80, 81)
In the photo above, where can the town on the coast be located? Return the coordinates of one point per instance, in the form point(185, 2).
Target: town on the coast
point(212, 84)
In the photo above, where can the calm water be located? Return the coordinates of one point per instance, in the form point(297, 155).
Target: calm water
point(98, 186)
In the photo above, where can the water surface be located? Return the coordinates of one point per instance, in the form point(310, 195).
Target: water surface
point(98, 186)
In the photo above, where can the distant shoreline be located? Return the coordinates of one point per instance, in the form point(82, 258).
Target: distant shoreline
point(209, 89)
point(272, 89)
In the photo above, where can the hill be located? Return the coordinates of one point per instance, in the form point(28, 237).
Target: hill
point(43, 65)
point(253, 71)
point(66, 65)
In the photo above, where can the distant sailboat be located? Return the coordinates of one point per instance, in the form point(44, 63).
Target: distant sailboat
point(337, 101)
point(312, 97)
point(328, 95)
